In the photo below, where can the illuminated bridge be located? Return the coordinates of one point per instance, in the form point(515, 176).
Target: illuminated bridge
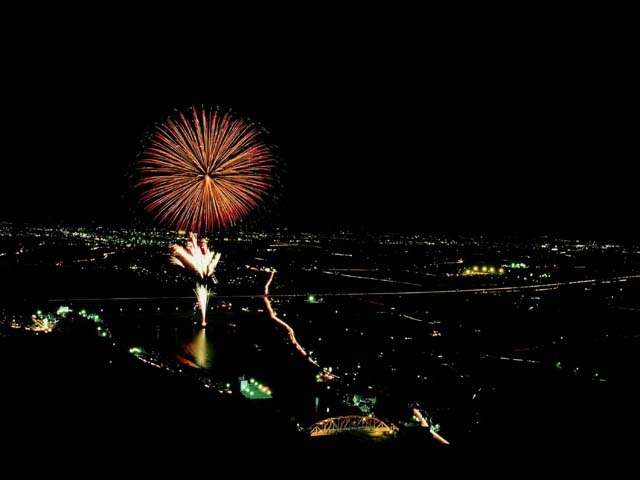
point(352, 423)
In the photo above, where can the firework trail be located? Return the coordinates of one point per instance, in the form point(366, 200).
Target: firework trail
point(274, 317)
point(202, 299)
point(204, 171)
point(196, 257)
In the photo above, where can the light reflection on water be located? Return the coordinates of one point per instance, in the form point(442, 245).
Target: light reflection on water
point(200, 348)
point(176, 337)
point(232, 344)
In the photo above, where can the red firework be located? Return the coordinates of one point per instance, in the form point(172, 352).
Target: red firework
point(205, 171)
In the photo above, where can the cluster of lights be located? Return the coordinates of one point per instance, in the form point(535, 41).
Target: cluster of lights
point(46, 322)
point(253, 389)
point(518, 265)
point(483, 270)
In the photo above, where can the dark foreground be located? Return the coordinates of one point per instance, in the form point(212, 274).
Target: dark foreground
point(68, 399)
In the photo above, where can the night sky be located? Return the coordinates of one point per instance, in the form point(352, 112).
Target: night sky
point(508, 133)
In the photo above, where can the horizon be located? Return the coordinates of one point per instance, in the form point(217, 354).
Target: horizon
point(244, 229)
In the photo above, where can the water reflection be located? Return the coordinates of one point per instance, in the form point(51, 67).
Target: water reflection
point(200, 348)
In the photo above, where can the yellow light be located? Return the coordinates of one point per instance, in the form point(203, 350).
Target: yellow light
point(484, 269)
point(475, 268)
point(492, 270)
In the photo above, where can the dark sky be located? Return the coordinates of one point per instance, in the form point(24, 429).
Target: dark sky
point(488, 132)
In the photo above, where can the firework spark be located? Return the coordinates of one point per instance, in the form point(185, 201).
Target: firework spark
point(205, 171)
point(197, 257)
point(202, 299)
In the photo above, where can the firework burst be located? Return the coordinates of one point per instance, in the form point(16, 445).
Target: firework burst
point(204, 171)
point(197, 257)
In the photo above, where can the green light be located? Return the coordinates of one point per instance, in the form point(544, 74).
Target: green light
point(311, 298)
point(39, 312)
